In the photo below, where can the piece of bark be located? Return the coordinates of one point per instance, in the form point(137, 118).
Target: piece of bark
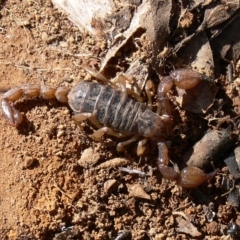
point(87, 15)
point(118, 23)
point(227, 44)
point(187, 227)
point(217, 13)
point(137, 191)
point(209, 148)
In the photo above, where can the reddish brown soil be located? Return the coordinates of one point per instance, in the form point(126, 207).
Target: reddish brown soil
point(43, 189)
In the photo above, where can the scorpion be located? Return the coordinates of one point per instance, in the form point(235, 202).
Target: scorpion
point(116, 112)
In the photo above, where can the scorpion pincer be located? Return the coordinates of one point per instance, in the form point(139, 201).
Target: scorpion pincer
point(117, 110)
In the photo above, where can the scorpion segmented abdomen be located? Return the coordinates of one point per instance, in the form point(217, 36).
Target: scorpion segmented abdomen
point(102, 105)
point(113, 108)
point(118, 110)
point(111, 117)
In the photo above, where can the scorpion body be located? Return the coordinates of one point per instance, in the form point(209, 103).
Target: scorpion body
point(116, 110)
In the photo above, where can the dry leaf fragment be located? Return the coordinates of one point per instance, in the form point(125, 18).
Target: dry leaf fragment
point(209, 148)
point(109, 185)
point(227, 44)
point(197, 99)
point(201, 54)
point(187, 227)
point(86, 15)
point(118, 23)
point(199, 3)
point(217, 13)
point(89, 157)
point(137, 191)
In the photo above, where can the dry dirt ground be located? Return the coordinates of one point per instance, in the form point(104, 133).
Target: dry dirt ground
point(51, 187)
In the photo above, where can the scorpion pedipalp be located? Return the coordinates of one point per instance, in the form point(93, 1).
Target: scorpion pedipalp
point(190, 176)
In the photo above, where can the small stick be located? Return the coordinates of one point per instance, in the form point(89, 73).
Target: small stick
point(133, 171)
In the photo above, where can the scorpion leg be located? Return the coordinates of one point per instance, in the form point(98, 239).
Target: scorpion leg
point(93, 72)
point(122, 79)
point(109, 131)
point(79, 117)
point(121, 146)
point(148, 87)
point(100, 132)
point(95, 122)
point(141, 147)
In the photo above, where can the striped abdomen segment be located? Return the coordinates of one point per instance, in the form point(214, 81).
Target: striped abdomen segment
point(110, 107)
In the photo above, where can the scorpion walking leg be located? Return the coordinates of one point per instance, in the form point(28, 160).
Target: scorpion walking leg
point(93, 72)
point(121, 146)
point(79, 117)
point(100, 132)
point(95, 122)
point(122, 79)
point(148, 87)
point(141, 147)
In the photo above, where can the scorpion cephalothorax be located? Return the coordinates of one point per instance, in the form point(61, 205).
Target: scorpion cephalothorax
point(117, 113)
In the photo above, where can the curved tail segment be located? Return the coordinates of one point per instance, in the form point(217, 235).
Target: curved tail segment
point(12, 115)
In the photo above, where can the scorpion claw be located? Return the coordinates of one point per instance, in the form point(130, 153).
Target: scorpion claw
point(186, 78)
point(191, 177)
